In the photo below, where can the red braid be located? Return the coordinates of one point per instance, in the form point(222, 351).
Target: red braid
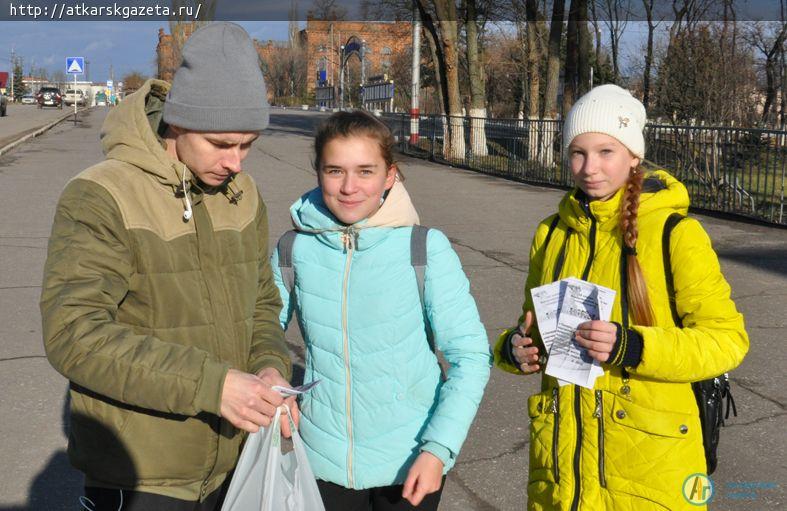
point(637, 291)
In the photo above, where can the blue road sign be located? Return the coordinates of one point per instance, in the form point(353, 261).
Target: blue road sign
point(75, 65)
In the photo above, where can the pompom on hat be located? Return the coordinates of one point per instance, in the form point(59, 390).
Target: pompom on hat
point(611, 110)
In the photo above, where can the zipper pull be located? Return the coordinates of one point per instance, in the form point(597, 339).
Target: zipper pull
point(554, 400)
point(597, 412)
point(349, 237)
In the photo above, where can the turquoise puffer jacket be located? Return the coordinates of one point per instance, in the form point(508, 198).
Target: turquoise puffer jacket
point(381, 400)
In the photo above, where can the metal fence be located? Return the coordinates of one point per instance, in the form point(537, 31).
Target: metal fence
point(732, 170)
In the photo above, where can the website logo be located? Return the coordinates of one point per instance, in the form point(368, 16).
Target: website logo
point(698, 489)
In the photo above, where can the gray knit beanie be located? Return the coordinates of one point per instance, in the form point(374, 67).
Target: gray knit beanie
point(219, 85)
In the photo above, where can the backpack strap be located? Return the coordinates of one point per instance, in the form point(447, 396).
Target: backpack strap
point(284, 251)
point(562, 254)
point(552, 227)
point(418, 261)
point(672, 221)
point(418, 257)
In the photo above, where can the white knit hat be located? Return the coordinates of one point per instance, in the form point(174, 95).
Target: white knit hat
point(611, 110)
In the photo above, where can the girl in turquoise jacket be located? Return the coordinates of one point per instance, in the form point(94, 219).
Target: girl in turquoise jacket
point(383, 427)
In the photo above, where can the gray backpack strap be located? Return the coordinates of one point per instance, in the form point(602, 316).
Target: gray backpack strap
point(418, 256)
point(418, 260)
point(284, 250)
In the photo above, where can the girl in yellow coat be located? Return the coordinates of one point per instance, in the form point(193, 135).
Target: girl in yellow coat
point(632, 441)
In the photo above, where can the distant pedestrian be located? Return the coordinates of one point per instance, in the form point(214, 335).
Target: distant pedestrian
point(633, 440)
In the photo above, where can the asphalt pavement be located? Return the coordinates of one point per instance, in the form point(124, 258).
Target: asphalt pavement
point(490, 222)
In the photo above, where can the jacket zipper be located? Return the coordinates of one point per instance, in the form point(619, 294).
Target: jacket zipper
point(577, 389)
point(578, 448)
point(599, 414)
point(555, 431)
point(348, 389)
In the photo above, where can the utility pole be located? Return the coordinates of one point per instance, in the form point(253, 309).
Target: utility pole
point(13, 71)
point(415, 114)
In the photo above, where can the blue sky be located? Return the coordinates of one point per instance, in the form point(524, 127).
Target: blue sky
point(126, 45)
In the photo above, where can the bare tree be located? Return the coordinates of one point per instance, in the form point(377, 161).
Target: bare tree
point(694, 82)
point(284, 69)
point(648, 4)
point(327, 10)
point(477, 77)
point(505, 69)
point(615, 14)
point(553, 60)
point(437, 58)
point(687, 14)
point(534, 57)
point(133, 81)
point(185, 24)
point(577, 74)
point(783, 109)
point(771, 44)
point(447, 30)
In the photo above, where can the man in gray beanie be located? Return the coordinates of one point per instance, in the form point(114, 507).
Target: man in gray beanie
point(158, 302)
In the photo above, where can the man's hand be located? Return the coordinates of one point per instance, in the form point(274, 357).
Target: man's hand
point(273, 377)
point(598, 337)
point(525, 353)
point(247, 402)
point(425, 477)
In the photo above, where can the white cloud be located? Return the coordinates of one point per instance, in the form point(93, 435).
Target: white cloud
point(99, 45)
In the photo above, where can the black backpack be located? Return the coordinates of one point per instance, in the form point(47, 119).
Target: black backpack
point(712, 393)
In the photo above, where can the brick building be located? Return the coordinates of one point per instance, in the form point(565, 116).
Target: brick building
point(321, 42)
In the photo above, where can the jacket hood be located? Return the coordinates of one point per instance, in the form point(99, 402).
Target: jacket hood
point(129, 133)
point(310, 215)
point(659, 191)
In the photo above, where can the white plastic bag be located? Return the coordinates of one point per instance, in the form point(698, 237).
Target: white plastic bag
point(267, 480)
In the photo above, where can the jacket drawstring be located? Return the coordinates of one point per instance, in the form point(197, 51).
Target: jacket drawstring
point(350, 237)
point(233, 196)
point(186, 192)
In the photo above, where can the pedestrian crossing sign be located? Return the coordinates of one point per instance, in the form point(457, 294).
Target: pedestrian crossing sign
point(75, 65)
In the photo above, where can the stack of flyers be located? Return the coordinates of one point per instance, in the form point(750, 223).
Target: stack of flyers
point(560, 307)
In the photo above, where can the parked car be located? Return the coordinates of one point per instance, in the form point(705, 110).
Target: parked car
point(49, 96)
point(71, 96)
point(3, 105)
point(28, 99)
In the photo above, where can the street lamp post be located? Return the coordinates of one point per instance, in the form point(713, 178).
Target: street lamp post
point(341, 79)
point(363, 70)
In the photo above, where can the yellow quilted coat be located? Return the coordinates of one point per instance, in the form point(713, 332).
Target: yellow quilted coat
point(631, 442)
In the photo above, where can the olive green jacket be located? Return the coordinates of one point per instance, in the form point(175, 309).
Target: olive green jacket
point(145, 312)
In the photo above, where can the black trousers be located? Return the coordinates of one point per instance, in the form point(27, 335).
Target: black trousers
point(384, 498)
point(112, 499)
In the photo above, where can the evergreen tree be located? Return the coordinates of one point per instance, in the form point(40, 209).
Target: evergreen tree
point(19, 87)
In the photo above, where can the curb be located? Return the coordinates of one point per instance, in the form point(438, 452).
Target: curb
point(39, 131)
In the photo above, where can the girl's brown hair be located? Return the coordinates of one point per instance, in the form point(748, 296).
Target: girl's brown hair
point(637, 290)
point(356, 123)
